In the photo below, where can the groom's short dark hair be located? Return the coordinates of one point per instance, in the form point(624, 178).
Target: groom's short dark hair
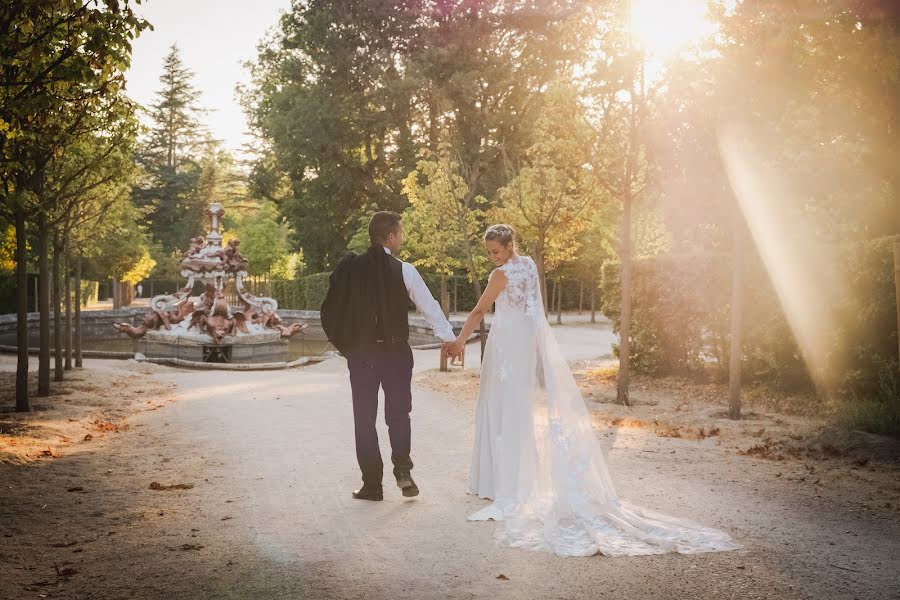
point(383, 224)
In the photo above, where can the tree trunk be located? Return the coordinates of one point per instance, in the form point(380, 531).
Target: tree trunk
point(21, 313)
point(897, 288)
point(581, 297)
point(636, 109)
point(482, 330)
point(455, 295)
point(542, 276)
point(737, 323)
point(43, 306)
point(78, 361)
point(593, 302)
point(559, 299)
point(552, 306)
point(445, 306)
point(57, 312)
point(68, 321)
point(116, 293)
point(624, 377)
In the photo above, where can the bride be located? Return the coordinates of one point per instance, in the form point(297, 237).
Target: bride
point(536, 455)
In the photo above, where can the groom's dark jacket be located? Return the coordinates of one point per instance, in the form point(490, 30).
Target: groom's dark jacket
point(367, 305)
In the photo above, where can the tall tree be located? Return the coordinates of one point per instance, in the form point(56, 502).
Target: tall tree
point(443, 220)
point(549, 195)
point(60, 58)
point(170, 157)
point(620, 97)
point(346, 93)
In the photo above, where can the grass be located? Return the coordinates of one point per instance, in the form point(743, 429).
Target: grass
point(878, 413)
point(881, 417)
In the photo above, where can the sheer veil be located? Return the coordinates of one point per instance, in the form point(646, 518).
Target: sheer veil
point(537, 455)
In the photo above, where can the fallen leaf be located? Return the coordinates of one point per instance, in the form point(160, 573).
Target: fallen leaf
point(188, 547)
point(177, 486)
point(503, 577)
point(67, 572)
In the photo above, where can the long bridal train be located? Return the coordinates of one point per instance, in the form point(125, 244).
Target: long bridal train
point(536, 454)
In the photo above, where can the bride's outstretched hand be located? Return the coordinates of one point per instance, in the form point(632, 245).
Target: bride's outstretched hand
point(455, 348)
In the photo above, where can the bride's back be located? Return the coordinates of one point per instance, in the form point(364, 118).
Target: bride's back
point(522, 292)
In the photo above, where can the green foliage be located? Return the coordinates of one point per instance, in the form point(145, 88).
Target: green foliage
point(682, 314)
point(549, 196)
point(62, 59)
point(180, 170)
point(264, 239)
point(120, 246)
point(7, 293)
point(168, 265)
point(360, 241)
point(90, 291)
point(443, 221)
point(141, 268)
point(288, 266)
point(315, 288)
point(864, 341)
point(345, 94)
point(8, 250)
point(305, 293)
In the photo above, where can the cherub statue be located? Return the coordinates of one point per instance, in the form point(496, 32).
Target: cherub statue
point(232, 260)
point(213, 321)
point(293, 329)
point(195, 245)
point(154, 319)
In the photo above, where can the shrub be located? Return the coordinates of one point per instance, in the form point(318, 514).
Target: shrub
point(681, 321)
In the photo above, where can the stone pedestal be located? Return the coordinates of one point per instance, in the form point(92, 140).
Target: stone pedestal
point(250, 348)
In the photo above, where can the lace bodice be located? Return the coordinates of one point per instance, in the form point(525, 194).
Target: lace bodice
point(522, 292)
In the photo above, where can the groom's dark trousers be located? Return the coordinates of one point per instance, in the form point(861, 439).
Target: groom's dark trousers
point(389, 367)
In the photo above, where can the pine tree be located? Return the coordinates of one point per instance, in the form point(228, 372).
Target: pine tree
point(170, 157)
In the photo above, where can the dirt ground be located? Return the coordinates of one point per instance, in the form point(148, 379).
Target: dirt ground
point(144, 481)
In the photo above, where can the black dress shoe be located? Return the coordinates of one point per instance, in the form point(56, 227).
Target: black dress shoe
point(406, 484)
point(365, 493)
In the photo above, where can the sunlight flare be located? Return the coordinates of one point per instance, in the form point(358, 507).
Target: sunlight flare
point(805, 274)
point(666, 27)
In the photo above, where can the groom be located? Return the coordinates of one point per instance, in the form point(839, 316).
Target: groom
point(365, 316)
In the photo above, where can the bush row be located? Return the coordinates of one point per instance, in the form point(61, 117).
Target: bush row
point(682, 311)
point(89, 292)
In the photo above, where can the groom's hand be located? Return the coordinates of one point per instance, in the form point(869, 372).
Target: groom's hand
point(445, 349)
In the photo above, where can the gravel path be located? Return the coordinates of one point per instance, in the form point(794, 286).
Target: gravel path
point(271, 461)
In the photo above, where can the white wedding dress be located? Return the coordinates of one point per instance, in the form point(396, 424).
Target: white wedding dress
point(536, 454)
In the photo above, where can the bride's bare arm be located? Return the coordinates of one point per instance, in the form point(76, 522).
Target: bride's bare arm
point(496, 283)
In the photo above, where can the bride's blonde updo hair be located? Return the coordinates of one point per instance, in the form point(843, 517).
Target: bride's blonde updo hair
point(502, 233)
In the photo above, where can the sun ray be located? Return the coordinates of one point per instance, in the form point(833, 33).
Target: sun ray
point(665, 27)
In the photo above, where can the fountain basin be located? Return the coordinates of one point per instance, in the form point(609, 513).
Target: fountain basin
point(250, 348)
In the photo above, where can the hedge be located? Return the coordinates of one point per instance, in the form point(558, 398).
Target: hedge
point(466, 299)
point(304, 293)
point(89, 293)
point(681, 321)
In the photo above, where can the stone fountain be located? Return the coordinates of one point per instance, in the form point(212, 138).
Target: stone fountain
point(206, 328)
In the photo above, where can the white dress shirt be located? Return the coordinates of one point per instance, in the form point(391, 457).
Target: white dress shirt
point(425, 302)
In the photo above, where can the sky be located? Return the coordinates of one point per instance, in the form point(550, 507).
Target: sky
point(215, 37)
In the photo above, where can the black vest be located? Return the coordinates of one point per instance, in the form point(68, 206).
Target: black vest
point(366, 309)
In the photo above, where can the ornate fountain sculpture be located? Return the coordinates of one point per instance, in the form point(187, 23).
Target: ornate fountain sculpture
point(206, 328)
